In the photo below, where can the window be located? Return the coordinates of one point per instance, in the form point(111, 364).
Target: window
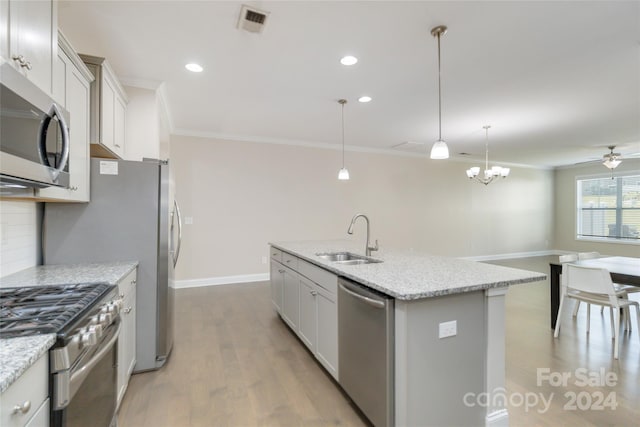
point(609, 208)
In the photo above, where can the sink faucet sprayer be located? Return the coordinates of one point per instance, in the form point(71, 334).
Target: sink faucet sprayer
point(368, 248)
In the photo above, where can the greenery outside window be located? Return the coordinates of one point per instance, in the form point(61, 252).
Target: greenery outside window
point(609, 208)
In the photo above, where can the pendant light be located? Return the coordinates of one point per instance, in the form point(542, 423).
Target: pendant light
point(343, 175)
point(439, 150)
point(489, 174)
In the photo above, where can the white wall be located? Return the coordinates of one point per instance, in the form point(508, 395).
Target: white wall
point(242, 195)
point(565, 209)
point(19, 240)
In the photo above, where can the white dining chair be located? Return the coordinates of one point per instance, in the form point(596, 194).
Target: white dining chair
point(594, 286)
point(581, 256)
point(622, 290)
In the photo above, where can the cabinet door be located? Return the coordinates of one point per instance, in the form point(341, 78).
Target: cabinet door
point(291, 298)
point(32, 37)
point(119, 117)
point(277, 279)
point(107, 119)
point(76, 100)
point(127, 339)
point(308, 313)
point(327, 341)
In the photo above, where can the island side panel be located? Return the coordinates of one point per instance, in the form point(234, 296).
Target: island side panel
point(434, 374)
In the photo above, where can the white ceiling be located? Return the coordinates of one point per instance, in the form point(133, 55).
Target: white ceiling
point(557, 81)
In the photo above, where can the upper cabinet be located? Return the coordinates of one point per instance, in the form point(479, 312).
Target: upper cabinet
point(29, 31)
point(108, 110)
point(71, 86)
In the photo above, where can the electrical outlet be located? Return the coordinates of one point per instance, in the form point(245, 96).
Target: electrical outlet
point(448, 329)
point(264, 259)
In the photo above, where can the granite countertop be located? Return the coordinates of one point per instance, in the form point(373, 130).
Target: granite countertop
point(408, 275)
point(18, 354)
point(65, 274)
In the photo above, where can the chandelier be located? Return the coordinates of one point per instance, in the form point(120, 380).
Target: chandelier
point(489, 174)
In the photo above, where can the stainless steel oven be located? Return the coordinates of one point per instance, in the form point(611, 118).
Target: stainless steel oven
point(84, 393)
point(83, 361)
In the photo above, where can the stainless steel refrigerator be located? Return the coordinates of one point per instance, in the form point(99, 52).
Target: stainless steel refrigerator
point(132, 215)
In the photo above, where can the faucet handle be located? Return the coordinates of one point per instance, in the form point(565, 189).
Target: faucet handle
point(374, 248)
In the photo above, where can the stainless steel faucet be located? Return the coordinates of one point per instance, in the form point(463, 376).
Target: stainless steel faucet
point(368, 248)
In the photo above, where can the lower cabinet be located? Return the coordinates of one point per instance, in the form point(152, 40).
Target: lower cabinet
point(277, 284)
point(291, 298)
point(127, 339)
point(26, 401)
point(306, 299)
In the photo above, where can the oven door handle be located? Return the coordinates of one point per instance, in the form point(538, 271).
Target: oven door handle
point(78, 377)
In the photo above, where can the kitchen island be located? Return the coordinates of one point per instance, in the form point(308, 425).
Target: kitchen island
point(448, 326)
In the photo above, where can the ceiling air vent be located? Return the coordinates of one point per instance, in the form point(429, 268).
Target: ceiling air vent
point(252, 19)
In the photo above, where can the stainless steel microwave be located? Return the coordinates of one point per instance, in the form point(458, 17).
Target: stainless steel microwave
point(34, 134)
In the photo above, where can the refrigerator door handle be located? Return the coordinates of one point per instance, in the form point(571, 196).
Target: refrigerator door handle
point(176, 254)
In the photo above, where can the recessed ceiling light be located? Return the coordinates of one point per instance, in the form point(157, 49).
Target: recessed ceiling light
point(196, 68)
point(348, 60)
point(364, 99)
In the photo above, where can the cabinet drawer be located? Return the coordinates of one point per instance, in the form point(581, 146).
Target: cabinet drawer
point(290, 260)
point(30, 387)
point(127, 285)
point(276, 254)
point(322, 277)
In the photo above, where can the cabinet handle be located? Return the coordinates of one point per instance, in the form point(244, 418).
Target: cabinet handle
point(281, 271)
point(23, 62)
point(22, 408)
point(73, 188)
point(127, 310)
point(288, 261)
point(133, 282)
point(117, 145)
point(121, 296)
point(314, 293)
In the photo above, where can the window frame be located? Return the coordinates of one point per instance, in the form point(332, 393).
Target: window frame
point(618, 211)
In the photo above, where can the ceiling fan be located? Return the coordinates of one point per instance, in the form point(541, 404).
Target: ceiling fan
point(611, 160)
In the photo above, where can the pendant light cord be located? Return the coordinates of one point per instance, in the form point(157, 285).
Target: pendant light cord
point(486, 148)
point(439, 95)
point(343, 101)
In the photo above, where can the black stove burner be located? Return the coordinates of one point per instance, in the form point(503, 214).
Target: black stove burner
point(39, 310)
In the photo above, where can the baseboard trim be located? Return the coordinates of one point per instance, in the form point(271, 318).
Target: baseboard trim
point(222, 280)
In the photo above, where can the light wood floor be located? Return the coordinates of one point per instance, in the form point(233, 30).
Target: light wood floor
point(235, 363)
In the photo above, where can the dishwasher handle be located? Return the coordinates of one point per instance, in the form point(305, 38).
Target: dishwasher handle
point(372, 302)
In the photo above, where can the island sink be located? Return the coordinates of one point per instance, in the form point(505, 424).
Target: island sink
point(347, 258)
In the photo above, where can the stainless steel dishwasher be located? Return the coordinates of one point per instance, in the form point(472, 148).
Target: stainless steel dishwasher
point(365, 350)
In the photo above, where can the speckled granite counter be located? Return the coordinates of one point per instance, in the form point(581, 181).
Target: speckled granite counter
point(44, 275)
point(18, 354)
point(408, 275)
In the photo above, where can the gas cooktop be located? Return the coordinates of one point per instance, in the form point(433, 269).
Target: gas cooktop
point(26, 311)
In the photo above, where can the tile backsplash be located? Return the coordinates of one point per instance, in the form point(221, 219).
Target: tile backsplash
point(19, 235)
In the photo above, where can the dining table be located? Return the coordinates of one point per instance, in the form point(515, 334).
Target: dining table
point(623, 270)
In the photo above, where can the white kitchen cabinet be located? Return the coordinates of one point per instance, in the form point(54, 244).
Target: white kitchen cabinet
point(108, 110)
point(71, 87)
point(127, 339)
point(277, 285)
point(26, 402)
point(31, 39)
point(327, 334)
point(308, 314)
point(291, 298)
point(309, 305)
